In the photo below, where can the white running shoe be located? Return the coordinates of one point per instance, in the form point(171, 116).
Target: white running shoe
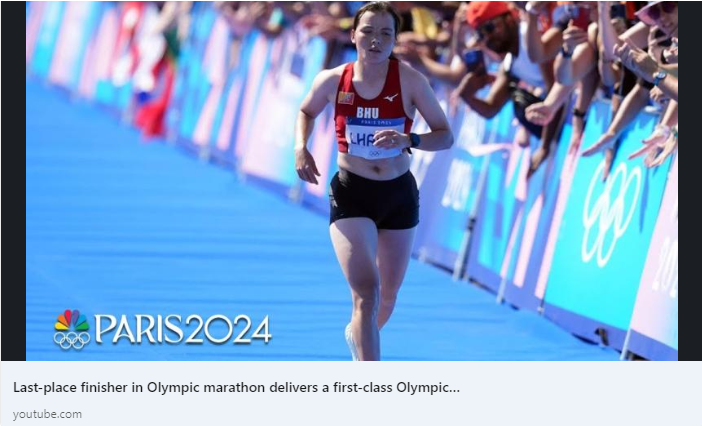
point(352, 345)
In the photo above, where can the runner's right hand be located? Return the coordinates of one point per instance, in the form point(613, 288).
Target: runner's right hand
point(305, 166)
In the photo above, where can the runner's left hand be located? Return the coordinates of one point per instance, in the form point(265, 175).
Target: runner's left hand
point(390, 139)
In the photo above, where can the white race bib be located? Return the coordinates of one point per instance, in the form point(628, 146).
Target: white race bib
point(360, 136)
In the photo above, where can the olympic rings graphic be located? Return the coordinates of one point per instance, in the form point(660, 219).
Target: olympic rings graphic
point(71, 340)
point(609, 211)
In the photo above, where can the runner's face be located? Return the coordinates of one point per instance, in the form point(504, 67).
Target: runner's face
point(374, 37)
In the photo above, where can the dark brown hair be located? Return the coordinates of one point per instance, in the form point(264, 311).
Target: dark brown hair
point(379, 6)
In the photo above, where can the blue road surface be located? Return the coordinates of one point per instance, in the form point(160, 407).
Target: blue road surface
point(116, 226)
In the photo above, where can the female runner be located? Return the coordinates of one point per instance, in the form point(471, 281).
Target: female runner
point(374, 198)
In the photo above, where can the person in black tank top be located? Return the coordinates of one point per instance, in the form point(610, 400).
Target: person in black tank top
point(374, 199)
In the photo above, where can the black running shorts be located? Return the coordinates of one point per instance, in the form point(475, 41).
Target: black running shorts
point(391, 204)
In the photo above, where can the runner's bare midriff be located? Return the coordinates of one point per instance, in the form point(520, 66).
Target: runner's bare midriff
point(384, 169)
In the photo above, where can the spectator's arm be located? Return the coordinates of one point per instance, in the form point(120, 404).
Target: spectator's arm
point(609, 73)
point(549, 133)
point(571, 70)
point(634, 102)
point(660, 138)
point(460, 29)
point(627, 111)
point(443, 39)
point(450, 74)
point(440, 137)
point(558, 94)
point(669, 86)
point(666, 89)
point(549, 77)
point(588, 87)
point(670, 69)
point(583, 59)
point(542, 48)
point(670, 117)
point(495, 100)
point(646, 67)
point(542, 113)
point(638, 34)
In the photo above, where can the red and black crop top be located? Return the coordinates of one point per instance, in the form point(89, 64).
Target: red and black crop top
point(357, 119)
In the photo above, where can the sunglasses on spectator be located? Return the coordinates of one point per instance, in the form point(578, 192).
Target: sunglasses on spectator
point(666, 7)
point(488, 28)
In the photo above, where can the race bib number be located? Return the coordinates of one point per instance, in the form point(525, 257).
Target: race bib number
point(360, 136)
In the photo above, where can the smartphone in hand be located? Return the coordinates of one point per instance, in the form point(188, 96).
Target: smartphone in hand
point(474, 60)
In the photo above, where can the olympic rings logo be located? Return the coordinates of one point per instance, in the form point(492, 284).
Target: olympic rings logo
point(609, 212)
point(71, 340)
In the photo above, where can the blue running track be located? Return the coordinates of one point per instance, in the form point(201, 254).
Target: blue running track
point(118, 226)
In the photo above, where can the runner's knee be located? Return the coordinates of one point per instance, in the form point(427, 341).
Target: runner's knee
point(366, 303)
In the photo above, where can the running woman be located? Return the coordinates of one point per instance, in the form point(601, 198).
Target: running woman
point(374, 199)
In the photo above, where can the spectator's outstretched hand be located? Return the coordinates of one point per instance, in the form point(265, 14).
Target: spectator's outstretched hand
point(646, 149)
point(540, 113)
point(411, 52)
point(606, 144)
point(576, 139)
point(669, 146)
point(638, 61)
point(319, 25)
point(656, 140)
point(671, 54)
point(609, 159)
point(659, 135)
point(606, 141)
point(658, 96)
point(658, 146)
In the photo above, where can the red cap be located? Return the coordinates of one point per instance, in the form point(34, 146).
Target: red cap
point(479, 12)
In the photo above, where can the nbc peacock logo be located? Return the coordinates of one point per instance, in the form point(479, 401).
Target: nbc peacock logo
point(71, 330)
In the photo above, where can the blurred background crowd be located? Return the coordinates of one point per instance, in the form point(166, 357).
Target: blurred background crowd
point(537, 54)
